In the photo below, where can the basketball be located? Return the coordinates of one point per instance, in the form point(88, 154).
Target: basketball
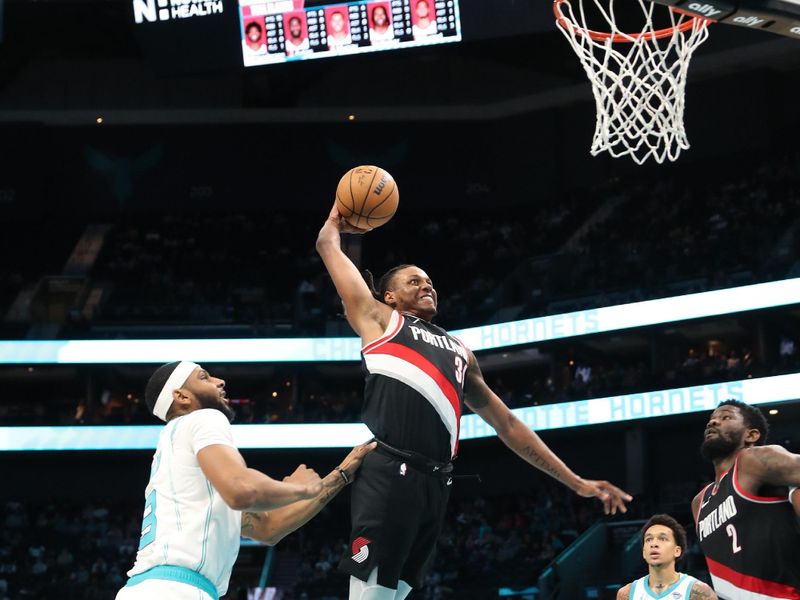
point(367, 197)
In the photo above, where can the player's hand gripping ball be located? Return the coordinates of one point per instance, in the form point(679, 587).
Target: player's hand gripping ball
point(367, 197)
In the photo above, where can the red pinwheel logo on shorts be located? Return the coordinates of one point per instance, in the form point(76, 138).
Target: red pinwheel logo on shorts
point(360, 549)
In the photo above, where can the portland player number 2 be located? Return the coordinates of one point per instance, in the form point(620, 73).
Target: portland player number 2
point(731, 529)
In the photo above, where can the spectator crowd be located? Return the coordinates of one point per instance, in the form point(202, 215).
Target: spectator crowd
point(611, 243)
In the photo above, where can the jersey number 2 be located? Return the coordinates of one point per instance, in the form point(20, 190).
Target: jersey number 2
point(149, 521)
point(734, 538)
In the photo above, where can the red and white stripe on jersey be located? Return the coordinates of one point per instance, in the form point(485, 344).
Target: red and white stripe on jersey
point(411, 368)
point(392, 329)
point(700, 505)
point(732, 585)
point(751, 497)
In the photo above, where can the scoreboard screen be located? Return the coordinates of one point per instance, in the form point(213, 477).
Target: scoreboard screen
point(276, 31)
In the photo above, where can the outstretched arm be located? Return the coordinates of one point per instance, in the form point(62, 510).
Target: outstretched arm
point(529, 446)
point(366, 315)
point(768, 465)
point(701, 591)
point(271, 527)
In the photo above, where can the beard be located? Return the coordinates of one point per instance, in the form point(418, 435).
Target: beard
point(217, 404)
point(717, 448)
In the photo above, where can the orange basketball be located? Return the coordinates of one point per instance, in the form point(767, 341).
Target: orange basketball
point(367, 196)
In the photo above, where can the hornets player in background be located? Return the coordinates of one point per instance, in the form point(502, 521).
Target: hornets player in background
point(202, 497)
point(746, 523)
point(663, 544)
point(417, 378)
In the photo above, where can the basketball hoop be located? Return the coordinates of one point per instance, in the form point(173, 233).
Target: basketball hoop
point(638, 79)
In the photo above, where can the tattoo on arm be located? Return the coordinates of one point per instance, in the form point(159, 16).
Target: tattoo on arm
point(775, 466)
point(328, 492)
point(700, 591)
point(251, 522)
point(766, 460)
point(540, 461)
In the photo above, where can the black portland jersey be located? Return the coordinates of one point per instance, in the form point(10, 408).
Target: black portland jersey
point(751, 543)
point(415, 387)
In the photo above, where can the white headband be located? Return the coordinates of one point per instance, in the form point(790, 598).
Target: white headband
point(175, 381)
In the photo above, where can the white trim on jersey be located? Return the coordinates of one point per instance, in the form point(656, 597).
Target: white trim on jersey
point(748, 497)
point(392, 329)
point(419, 380)
point(727, 591)
point(757, 501)
point(700, 505)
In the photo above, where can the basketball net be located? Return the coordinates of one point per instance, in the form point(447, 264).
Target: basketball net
point(638, 79)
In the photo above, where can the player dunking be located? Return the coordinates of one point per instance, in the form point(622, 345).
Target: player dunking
point(663, 543)
point(202, 497)
point(746, 525)
point(417, 378)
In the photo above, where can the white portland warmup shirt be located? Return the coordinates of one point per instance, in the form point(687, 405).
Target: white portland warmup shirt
point(186, 522)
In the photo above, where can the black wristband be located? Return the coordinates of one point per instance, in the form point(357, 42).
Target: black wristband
point(344, 475)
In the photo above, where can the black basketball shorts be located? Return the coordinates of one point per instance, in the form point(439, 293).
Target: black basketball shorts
point(397, 514)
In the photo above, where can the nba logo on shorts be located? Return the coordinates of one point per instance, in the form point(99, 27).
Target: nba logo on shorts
point(360, 549)
point(403, 469)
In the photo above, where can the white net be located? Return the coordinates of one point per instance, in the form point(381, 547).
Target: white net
point(638, 79)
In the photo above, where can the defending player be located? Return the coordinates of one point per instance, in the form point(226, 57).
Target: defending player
point(745, 521)
point(663, 543)
point(201, 496)
point(417, 377)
